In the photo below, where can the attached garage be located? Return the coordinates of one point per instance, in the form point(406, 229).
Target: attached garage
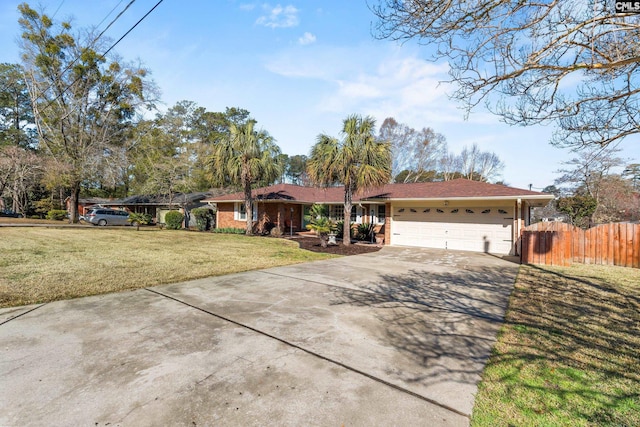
point(458, 215)
point(465, 227)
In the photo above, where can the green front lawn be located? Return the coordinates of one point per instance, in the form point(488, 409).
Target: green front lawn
point(46, 264)
point(569, 352)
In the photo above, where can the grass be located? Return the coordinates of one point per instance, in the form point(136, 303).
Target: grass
point(46, 264)
point(10, 220)
point(568, 353)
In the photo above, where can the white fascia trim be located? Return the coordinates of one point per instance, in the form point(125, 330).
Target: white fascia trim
point(440, 199)
point(290, 202)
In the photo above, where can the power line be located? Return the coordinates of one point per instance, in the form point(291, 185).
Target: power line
point(105, 18)
point(102, 56)
point(59, 6)
point(132, 28)
point(91, 44)
point(114, 19)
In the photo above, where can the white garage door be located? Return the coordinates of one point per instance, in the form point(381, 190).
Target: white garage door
point(469, 229)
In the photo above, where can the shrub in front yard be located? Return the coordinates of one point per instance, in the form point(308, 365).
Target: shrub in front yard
point(57, 214)
point(204, 218)
point(340, 228)
point(276, 232)
point(229, 230)
point(138, 219)
point(365, 232)
point(174, 219)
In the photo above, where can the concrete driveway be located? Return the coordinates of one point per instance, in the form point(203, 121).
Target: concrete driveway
point(396, 337)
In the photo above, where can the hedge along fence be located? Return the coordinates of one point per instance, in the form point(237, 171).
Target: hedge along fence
point(557, 243)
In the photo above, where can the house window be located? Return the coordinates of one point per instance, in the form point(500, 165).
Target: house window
point(240, 212)
point(382, 213)
point(336, 212)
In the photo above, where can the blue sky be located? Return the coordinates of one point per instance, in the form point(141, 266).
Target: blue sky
point(300, 67)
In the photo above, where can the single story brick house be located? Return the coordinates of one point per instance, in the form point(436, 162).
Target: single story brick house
point(459, 214)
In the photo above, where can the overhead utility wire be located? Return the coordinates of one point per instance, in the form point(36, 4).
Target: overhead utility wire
point(107, 51)
point(131, 29)
point(114, 19)
point(93, 42)
point(114, 8)
point(59, 6)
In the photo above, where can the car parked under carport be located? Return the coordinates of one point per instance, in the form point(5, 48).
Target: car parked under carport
point(104, 216)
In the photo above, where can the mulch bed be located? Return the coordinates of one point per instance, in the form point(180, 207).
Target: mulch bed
point(313, 244)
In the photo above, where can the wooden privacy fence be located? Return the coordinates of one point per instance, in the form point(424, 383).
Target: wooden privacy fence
point(557, 243)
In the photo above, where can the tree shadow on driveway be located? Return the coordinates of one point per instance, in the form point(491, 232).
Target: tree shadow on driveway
point(445, 323)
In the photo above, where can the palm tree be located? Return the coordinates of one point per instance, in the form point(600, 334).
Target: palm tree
point(359, 162)
point(245, 157)
point(136, 219)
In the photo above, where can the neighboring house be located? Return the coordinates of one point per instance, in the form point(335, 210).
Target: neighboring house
point(157, 206)
point(85, 204)
point(458, 214)
point(558, 218)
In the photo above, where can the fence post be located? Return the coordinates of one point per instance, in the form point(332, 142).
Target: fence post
point(629, 245)
point(524, 246)
point(636, 246)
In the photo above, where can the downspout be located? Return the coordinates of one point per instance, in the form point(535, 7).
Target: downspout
point(517, 217)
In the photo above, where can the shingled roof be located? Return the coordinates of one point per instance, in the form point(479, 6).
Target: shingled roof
point(457, 188)
point(177, 199)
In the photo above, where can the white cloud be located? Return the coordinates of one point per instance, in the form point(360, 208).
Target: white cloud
point(326, 63)
point(406, 88)
point(384, 82)
point(359, 90)
point(307, 38)
point(279, 17)
point(247, 6)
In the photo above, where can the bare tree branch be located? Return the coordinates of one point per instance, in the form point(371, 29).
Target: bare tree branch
point(532, 61)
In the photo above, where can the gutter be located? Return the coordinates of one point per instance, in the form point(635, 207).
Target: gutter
point(439, 199)
point(391, 199)
point(518, 216)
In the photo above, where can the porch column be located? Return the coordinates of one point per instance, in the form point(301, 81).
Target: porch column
point(387, 224)
point(517, 227)
point(280, 219)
